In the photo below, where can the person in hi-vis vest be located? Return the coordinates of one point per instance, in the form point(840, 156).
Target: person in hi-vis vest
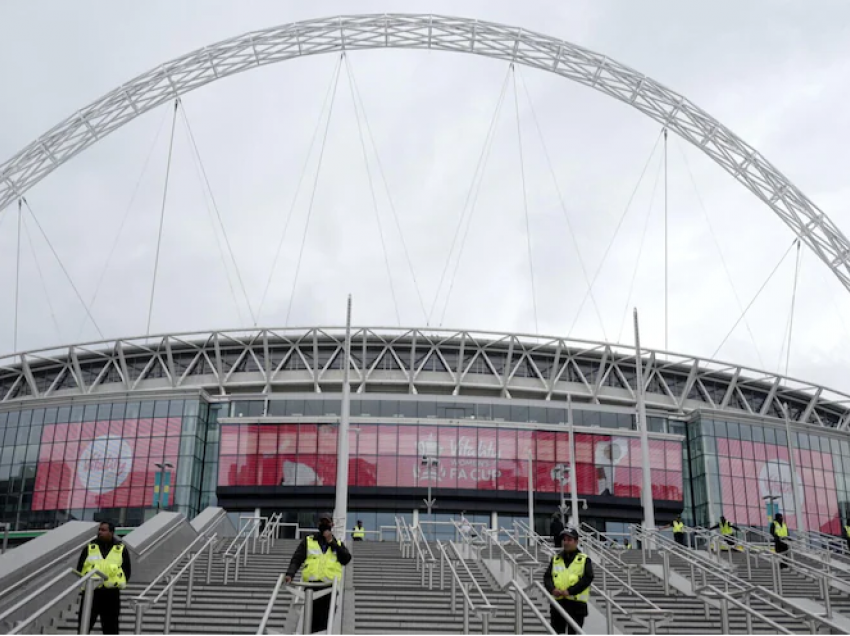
point(568, 579)
point(358, 532)
point(109, 556)
point(727, 529)
point(322, 556)
point(678, 530)
point(847, 533)
point(779, 531)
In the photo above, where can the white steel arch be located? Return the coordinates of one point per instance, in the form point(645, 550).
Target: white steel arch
point(413, 31)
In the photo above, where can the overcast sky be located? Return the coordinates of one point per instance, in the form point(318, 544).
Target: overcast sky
point(775, 72)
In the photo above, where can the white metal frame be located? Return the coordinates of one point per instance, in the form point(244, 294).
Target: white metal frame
point(444, 33)
point(514, 366)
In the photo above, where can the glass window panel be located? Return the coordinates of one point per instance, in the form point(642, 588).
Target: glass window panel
point(720, 429)
point(308, 438)
point(501, 412)
point(407, 409)
point(388, 440)
point(425, 410)
point(519, 413)
point(707, 427)
point(175, 408)
point(146, 408)
point(746, 432)
point(483, 412)
point(732, 430)
point(160, 408)
point(769, 435)
point(507, 443)
point(539, 414)
point(389, 408)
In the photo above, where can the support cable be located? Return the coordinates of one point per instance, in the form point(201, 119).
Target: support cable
point(162, 215)
point(17, 276)
point(386, 188)
point(478, 167)
point(561, 199)
point(469, 207)
point(525, 202)
point(217, 212)
point(43, 282)
point(666, 256)
point(793, 304)
point(211, 217)
point(316, 129)
point(372, 192)
point(640, 253)
point(312, 196)
point(614, 237)
point(124, 219)
point(720, 252)
point(62, 266)
point(750, 304)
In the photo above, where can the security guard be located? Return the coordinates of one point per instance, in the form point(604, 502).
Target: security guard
point(678, 530)
point(568, 579)
point(109, 556)
point(324, 556)
point(727, 530)
point(358, 533)
point(779, 531)
point(847, 533)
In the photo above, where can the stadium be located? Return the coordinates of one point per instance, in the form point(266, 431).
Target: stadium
point(248, 419)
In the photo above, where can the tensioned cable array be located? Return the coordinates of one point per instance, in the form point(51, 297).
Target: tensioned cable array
point(312, 199)
point(43, 282)
point(372, 191)
point(162, 217)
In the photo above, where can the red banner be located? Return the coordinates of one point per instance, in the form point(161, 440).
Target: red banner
point(103, 464)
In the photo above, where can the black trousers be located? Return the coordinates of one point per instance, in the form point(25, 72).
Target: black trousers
point(106, 605)
point(780, 546)
point(680, 538)
point(321, 608)
point(357, 539)
point(576, 610)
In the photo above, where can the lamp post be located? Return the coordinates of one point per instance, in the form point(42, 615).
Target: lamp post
point(343, 451)
point(164, 469)
point(429, 462)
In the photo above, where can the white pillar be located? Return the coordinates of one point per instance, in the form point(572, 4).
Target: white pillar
point(341, 500)
point(494, 520)
point(574, 518)
point(643, 428)
point(530, 493)
point(415, 517)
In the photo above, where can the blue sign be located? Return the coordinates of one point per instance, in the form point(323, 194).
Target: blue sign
point(161, 485)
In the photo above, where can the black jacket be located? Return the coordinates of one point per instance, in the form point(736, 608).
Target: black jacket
point(582, 584)
point(342, 553)
point(556, 528)
point(104, 550)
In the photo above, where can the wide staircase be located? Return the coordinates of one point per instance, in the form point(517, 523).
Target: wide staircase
point(235, 608)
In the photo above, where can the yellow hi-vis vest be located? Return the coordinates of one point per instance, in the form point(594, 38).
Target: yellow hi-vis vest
point(678, 527)
point(111, 566)
point(847, 530)
point(726, 528)
point(780, 530)
point(358, 532)
point(319, 566)
point(565, 577)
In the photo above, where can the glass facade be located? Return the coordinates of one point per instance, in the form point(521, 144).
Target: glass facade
point(468, 457)
point(744, 472)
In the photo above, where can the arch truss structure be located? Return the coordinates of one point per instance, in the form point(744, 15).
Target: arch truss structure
point(442, 33)
point(415, 362)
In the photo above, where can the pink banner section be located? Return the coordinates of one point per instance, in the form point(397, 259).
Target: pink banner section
point(103, 464)
point(478, 458)
point(755, 473)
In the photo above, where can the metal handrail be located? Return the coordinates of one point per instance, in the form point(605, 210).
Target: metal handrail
point(521, 598)
point(241, 550)
point(247, 530)
point(159, 540)
point(421, 562)
point(726, 598)
point(270, 606)
point(468, 605)
point(22, 581)
point(418, 530)
point(762, 594)
point(465, 565)
point(169, 567)
point(337, 592)
point(142, 605)
point(310, 596)
point(88, 582)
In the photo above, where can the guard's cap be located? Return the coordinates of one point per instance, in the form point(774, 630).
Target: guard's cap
point(326, 515)
point(569, 532)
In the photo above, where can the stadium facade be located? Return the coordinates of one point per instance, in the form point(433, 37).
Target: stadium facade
point(249, 419)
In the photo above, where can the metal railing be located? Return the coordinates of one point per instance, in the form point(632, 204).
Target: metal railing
point(705, 568)
point(6, 527)
point(47, 566)
point(484, 610)
point(305, 599)
point(142, 605)
point(237, 551)
point(158, 541)
point(88, 580)
point(425, 559)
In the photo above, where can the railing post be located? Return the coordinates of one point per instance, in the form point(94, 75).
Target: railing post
point(466, 612)
point(245, 552)
point(827, 602)
point(442, 570)
point(422, 573)
point(236, 571)
point(749, 565)
point(777, 577)
point(139, 610)
point(431, 575)
point(209, 562)
point(190, 585)
point(609, 615)
point(748, 614)
point(5, 538)
point(88, 594)
point(485, 622)
point(665, 558)
point(307, 622)
point(518, 609)
point(502, 560)
point(454, 594)
point(169, 605)
point(724, 615)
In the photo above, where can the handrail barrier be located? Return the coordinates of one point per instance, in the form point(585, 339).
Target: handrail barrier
point(484, 611)
point(39, 571)
point(270, 606)
point(158, 541)
point(88, 580)
point(233, 556)
point(709, 568)
point(306, 599)
point(168, 568)
point(143, 605)
point(422, 562)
